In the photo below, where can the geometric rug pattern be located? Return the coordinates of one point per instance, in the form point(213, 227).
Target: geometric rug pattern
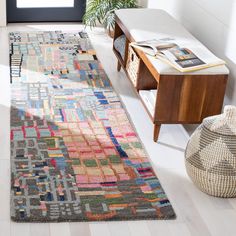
point(75, 155)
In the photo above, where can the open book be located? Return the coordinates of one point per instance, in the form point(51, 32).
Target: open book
point(182, 56)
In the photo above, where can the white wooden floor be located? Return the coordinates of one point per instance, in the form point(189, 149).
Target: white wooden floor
point(197, 213)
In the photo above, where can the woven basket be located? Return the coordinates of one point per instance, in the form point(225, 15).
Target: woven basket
point(132, 65)
point(210, 155)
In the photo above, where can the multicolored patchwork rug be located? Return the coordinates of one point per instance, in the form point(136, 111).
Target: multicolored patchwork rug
point(74, 154)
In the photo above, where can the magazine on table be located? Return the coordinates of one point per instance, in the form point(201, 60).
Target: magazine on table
point(182, 56)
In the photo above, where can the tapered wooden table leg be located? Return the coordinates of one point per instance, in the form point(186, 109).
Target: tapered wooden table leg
point(156, 132)
point(118, 66)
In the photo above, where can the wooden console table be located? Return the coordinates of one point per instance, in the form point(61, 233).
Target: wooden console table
point(182, 98)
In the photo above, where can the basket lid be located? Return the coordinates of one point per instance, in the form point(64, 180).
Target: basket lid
point(224, 123)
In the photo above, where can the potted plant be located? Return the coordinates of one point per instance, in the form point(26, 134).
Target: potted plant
point(103, 12)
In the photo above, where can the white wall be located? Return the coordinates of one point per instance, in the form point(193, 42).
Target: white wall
point(213, 22)
point(2, 12)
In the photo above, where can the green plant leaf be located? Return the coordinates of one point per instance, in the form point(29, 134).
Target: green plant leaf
point(103, 11)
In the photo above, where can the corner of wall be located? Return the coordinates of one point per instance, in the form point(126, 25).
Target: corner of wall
point(143, 3)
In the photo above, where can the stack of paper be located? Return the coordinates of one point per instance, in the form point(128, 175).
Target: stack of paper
point(149, 99)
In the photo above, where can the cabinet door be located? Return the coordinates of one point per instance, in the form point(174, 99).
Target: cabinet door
point(45, 10)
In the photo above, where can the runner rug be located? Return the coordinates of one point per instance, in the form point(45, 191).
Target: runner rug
point(75, 155)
